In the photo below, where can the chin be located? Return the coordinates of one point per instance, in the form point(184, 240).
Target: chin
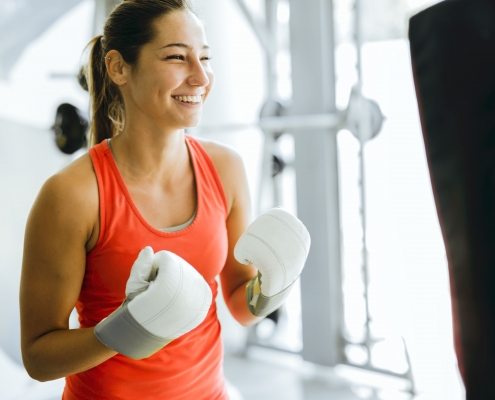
point(192, 123)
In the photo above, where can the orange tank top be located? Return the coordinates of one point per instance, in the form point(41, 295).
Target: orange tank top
point(190, 367)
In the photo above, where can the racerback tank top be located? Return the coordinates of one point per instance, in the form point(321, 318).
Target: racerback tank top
point(190, 367)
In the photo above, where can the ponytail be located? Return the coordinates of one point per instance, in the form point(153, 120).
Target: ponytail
point(107, 106)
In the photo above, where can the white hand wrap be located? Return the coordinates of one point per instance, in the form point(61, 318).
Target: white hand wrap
point(277, 243)
point(156, 312)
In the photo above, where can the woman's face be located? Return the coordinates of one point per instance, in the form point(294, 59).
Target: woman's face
point(172, 77)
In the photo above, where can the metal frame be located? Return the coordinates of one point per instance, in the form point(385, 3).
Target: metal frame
point(336, 120)
point(316, 165)
point(314, 122)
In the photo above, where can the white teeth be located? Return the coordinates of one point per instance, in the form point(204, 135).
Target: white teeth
point(188, 99)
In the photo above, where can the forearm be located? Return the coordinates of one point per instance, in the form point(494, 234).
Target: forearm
point(65, 352)
point(239, 308)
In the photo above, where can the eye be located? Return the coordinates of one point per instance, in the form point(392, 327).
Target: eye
point(206, 58)
point(175, 57)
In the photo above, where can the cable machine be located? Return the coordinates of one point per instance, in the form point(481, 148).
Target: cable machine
point(313, 119)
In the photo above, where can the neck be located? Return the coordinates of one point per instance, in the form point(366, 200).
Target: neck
point(151, 155)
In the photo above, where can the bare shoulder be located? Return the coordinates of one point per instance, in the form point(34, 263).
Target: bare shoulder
point(220, 153)
point(76, 182)
point(230, 167)
point(72, 195)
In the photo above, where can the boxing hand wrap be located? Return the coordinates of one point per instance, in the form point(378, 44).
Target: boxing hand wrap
point(159, 311)
point(277, 243)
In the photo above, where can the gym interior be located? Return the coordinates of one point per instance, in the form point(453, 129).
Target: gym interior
point(329, 106)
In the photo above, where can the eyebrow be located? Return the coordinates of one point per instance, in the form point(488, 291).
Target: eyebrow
point(183, 45)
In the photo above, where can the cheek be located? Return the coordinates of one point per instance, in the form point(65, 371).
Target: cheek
point(145, 89)
point(155, 90)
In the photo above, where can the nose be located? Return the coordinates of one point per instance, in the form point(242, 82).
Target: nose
point(198, 75)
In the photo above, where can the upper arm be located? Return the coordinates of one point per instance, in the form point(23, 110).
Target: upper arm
point(233, 176)
point(59, 226)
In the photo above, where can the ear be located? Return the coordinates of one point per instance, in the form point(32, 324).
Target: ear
point(116, 67)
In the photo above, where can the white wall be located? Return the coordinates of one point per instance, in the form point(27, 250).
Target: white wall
point(31, 96)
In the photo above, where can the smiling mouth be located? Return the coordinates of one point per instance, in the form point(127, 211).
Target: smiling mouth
point(189, 99)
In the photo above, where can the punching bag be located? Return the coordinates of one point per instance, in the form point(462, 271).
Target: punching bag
point(453, 62)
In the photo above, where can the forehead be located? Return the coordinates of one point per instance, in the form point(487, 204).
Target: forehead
point(179, 27)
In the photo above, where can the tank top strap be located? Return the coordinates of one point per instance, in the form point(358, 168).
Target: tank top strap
point(99, 154)
point(207, 176)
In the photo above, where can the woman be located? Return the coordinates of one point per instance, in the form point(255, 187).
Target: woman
point(144, 187)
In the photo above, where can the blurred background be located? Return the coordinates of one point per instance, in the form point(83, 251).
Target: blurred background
point(326, 121)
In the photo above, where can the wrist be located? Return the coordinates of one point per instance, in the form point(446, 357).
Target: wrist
point(260, 305)
point(239, 309)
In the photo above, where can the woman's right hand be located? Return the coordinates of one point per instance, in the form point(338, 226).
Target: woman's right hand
point(166, 298)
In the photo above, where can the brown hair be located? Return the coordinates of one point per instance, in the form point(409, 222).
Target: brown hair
point(127, 29)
